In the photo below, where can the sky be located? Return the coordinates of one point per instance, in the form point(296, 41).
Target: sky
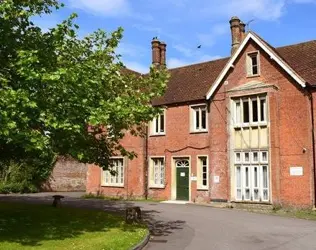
point(186, 24)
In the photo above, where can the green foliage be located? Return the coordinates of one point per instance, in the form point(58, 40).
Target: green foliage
point(25, 176)
point(53, 84)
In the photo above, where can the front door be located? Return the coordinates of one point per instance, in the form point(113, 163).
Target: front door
point(183, 179)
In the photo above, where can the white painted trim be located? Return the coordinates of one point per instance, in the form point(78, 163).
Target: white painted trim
point(152, 125)
point(150, 167)
point(174, 175)
point(272, 55)
point(192, 118)
point(198, 172)
point(119, 185)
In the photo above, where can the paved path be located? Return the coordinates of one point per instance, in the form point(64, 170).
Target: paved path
point(198, 227)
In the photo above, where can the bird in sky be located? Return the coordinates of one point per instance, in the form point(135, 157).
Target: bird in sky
point(199, 46)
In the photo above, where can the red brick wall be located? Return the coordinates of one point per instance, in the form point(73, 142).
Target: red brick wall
point(68, 175)
point(290, 133)
point(133, 176)
point(290, 128)
point(178, 142)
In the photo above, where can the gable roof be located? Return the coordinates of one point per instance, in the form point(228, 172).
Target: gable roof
point(269, 50)
point(192, 83)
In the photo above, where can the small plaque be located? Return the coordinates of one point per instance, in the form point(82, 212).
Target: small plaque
point(216, 179)
point(193, 178)
point(296, 171)
point(182, 174)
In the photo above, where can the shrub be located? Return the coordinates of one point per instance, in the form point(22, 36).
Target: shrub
point(25, 176)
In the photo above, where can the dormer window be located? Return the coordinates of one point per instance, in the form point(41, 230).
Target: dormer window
point(253, 64)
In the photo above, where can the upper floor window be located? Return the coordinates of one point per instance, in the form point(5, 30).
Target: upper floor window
point(114, 176)
point(250, 110)
point(158, 125)
point(253, 64)
point(198, 118)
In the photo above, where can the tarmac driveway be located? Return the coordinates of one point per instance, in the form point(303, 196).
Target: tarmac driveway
point(199, 227)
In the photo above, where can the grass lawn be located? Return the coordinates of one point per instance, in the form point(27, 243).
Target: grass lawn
point(28, 226)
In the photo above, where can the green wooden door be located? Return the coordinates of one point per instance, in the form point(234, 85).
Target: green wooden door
point(183, 184)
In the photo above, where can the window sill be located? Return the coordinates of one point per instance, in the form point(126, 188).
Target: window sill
point(112, 186)
point(253, 76)
point(157, 187)
point(202, 189)
point(199, 132)
point(157, 135)
point(252, 202)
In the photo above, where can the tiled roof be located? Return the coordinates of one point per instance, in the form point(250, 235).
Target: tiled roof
point(191, 83)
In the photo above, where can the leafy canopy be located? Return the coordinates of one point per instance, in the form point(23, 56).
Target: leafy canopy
point(53, 84)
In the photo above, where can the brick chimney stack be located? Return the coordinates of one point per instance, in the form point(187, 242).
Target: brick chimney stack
point(237, 30)
point(242, 31)
point(156, 55)
point(163, 51)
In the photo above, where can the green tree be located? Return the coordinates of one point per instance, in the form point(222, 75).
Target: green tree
point(53, 84)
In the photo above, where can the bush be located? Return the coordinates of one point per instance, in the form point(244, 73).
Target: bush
point(23, 187)
point(25, 176)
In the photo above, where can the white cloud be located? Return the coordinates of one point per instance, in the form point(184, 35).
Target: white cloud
point(131, 50)
point(188, 52)
point(178, 62)
point(109, 8)
point(104, 7)
point(147, 28)
point(136, 66)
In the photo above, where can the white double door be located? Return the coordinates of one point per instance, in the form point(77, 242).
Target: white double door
point(252, 183)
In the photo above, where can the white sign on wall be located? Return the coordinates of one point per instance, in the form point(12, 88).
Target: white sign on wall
point(216, 179)
point(296, 171)
point(193, 178)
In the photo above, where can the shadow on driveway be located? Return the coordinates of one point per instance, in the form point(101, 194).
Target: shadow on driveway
point(158, 226)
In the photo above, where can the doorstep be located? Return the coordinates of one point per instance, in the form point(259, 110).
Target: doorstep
point(176, 202)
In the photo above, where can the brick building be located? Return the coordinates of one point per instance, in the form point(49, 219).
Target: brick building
point(237, 129)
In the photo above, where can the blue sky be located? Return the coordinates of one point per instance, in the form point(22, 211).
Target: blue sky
point(185, 24)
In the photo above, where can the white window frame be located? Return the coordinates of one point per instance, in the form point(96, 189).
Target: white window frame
point(193, 125)
point(151, 174)
point(249, 99)
point(199, 172)
point(153, 125)
point(260, 181)
point(107, 172)
point(249, 65)
point(261, 157)
point(253, 158)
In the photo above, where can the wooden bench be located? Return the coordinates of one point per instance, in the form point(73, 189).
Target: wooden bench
point(57, 200)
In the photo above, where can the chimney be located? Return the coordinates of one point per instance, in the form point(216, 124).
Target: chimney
point(156, 56)
point(235, 26)
point(163, 49)
point(242, 31)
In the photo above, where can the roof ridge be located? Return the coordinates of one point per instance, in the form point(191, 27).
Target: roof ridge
point(195, 64)
point(295, 44)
